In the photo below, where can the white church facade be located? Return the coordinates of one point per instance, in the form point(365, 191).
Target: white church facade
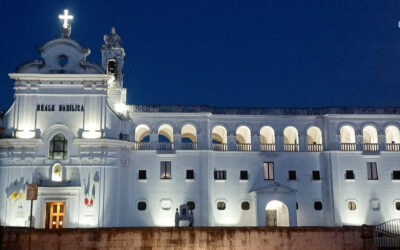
point(99, 162)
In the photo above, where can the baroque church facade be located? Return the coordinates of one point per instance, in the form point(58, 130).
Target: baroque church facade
point(99, 162)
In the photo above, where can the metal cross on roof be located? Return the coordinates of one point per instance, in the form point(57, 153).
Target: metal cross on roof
point(65, 17)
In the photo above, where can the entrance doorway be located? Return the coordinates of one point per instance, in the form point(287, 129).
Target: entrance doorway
point(276, 214)
point(55, 215)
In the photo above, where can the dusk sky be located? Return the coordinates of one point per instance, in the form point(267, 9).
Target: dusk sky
point(226, 53)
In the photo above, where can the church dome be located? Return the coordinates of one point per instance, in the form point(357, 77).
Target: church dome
point(112, 39)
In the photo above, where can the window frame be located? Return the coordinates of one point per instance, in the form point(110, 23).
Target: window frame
point(372, 171)
point(292, 175)
point(189, 174)
point(140, 174)
point(244, 175)
point(54, 144)
point(220, 175)
point(396, 175)
point(221, 202)
point(316, 175)
point(348, 173)
point(351, 205)
point(140, 202)
point(317, 203)
point(241, 205)
point(165, 170)
point(269, 170)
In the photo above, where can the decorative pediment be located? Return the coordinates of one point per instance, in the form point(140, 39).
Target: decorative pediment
point(274, 188)
point(62, 56)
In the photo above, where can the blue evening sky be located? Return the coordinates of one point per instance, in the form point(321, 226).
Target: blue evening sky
point(313, 53)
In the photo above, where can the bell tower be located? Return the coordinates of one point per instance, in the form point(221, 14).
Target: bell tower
point(113, 64)
point(113, 56)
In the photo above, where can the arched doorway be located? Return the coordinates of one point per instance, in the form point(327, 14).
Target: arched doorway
point(276, 214)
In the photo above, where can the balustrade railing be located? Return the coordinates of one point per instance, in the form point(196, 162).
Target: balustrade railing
point(314, 147)
point(189, 145)
point(243, 146)
point(268, 147)
point(165, 146)
point(348, 147)
point(393, 147)
point(291, 147)
point(141, 146)
point(387, 235)
point(371, 147)
point(220, 147)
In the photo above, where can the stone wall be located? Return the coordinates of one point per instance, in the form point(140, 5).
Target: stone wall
point(190, 238)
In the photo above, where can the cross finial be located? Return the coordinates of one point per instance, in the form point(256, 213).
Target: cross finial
point(65, 17)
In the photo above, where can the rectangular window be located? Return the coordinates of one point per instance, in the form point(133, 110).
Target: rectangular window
point(268, 170)
point(142, 175)
point(220, 175)
point(396, 175)
point(372, 171)
point(292, 175)
point(165, 170)
point(190, 174)
point(350, 175)
point(316, 176)
point(244, 175)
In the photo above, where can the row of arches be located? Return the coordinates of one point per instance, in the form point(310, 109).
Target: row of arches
point(370, 134)
point(219, 134)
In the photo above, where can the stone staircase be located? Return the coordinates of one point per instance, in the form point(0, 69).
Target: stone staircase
point(387, 235)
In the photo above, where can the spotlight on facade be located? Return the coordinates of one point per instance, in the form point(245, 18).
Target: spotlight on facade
point(25, 134)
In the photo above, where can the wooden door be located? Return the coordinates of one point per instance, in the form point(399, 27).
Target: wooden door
point(55, 215)
point(270, 218)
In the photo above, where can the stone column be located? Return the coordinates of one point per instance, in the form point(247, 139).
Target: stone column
point(359, 142)
point(279, 142)
point(231, 142)
point(177, 141)
point(153, 141)
point(255, 142)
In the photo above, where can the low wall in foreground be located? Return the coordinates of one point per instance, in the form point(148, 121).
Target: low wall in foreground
point(190, 238)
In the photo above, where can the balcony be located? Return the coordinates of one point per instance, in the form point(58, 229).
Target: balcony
point(141, 146)
point(165, 146)
point(243, 146)
point(348, 147)
point(371, 147)
point(220, 147)
point(314, 148)
point(189, 145)
point(393, 147)
point(267, 147)
point(291, 147)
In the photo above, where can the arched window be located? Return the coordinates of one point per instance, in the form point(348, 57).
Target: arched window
point(370, 139)
point(58, 147)
point(267, 138)
point(111, 67)
point(142, 133)
point(56, 172)
point(314, 139)
point(219, 138)
point(165, 137)
point(392, 135)
point(243, 138)
point(291, 139)
point(188, 137)
point(142, 137)
point(347, 138)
